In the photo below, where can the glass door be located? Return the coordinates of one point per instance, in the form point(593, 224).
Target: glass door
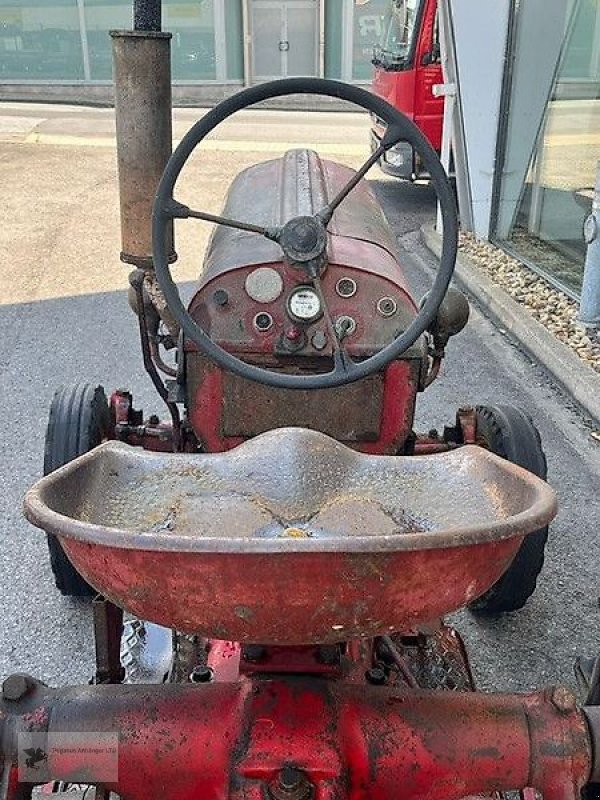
point(301, 37)
point(267, 36)
point(284, 39)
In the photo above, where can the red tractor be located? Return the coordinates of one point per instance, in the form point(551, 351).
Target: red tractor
point(294, 537)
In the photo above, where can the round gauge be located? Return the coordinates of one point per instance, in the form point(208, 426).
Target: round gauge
point(346, 287)
point(264, 285)
point(304, 304)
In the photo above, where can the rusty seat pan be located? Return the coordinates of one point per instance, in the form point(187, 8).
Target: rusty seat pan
point(291, 537)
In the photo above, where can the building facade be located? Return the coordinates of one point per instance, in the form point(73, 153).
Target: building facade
point(526, 125)
point(528, 80)
point(216, 44)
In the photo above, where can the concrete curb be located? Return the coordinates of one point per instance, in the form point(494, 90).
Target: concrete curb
point(580, 381)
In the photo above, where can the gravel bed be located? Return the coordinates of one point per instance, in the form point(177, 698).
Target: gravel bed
point(553, 309)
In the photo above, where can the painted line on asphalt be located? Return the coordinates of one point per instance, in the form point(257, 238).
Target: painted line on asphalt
point(209, 145)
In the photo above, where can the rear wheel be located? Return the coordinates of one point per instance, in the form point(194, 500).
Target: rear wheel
point(508, 432)
point(78, 421)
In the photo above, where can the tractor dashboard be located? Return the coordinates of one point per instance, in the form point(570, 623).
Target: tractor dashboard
point(271, 310)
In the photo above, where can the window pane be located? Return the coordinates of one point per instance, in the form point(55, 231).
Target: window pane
point(192, 23)
point(234, 39)
point(40, 41)
point(267, 33)
point(557, 194)
point(301, 57)
point(368, 28)
point(102, 16)
point(333, 39)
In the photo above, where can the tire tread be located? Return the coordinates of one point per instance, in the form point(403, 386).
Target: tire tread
point(511, 434)
point(77, 422)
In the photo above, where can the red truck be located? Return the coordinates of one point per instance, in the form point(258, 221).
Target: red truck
point(407, 66)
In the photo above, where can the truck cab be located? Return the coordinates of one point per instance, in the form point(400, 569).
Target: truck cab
point(407, 66)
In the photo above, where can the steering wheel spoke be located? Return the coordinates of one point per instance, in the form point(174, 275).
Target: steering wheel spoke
point(398, 128)
point(391, 137)
point(342, 362)
point(178, 210)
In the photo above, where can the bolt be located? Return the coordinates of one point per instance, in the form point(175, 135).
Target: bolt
point(375, 676)
point(201, 674)
point(15, 687)
point(563, 699)
point(290, 784)
point(153, 420)
point(290, 778)
point(220, 298)
point(253, 653)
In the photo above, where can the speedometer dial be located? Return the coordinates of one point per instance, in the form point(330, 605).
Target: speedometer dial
point(304, 304)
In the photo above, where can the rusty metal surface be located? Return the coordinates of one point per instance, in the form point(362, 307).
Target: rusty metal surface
point(300, 183)
point(206, 403)
point(108, 627)
point(142, 76)
point(290, 490)
point(349, 414)
point(437, 660)
point(291, 537)
point(232, 740)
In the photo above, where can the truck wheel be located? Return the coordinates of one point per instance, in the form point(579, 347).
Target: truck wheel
point(78, 421)
point(508, 432)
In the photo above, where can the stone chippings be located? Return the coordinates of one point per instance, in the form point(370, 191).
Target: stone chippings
point(552, 308)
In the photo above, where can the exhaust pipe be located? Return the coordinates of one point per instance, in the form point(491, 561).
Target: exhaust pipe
point(142, 78)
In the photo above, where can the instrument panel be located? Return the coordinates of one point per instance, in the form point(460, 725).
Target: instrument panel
point(275, 309)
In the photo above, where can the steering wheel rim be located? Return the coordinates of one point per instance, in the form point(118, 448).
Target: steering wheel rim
point(164, 204)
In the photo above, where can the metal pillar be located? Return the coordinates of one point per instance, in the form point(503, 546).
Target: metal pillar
point(147, 15)
point(468, 28)
point(589, 307)
point(247, 42)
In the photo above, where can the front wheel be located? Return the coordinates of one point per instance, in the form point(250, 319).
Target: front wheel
point(509, 433)
point(78, 421)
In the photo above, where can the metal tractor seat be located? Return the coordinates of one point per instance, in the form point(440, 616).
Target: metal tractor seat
point(290, 538)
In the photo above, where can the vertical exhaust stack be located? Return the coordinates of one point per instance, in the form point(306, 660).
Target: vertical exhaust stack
point(142, 78)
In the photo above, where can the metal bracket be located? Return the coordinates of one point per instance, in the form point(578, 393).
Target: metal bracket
point(108, 628)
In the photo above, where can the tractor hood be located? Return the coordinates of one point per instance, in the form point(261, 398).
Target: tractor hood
point(300, 183)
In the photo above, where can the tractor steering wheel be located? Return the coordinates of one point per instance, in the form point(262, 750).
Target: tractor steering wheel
point(304, 239)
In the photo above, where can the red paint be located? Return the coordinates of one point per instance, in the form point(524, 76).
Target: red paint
point(410, 89)
point(271, 599)
point(400, 390)
point(231, 740)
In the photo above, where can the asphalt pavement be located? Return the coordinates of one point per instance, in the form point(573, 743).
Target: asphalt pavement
point(64, 318)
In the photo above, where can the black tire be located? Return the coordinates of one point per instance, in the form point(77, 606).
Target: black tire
point(78, 421)
point(508, 432)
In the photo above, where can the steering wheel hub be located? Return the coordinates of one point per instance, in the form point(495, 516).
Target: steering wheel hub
point(303, 239)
